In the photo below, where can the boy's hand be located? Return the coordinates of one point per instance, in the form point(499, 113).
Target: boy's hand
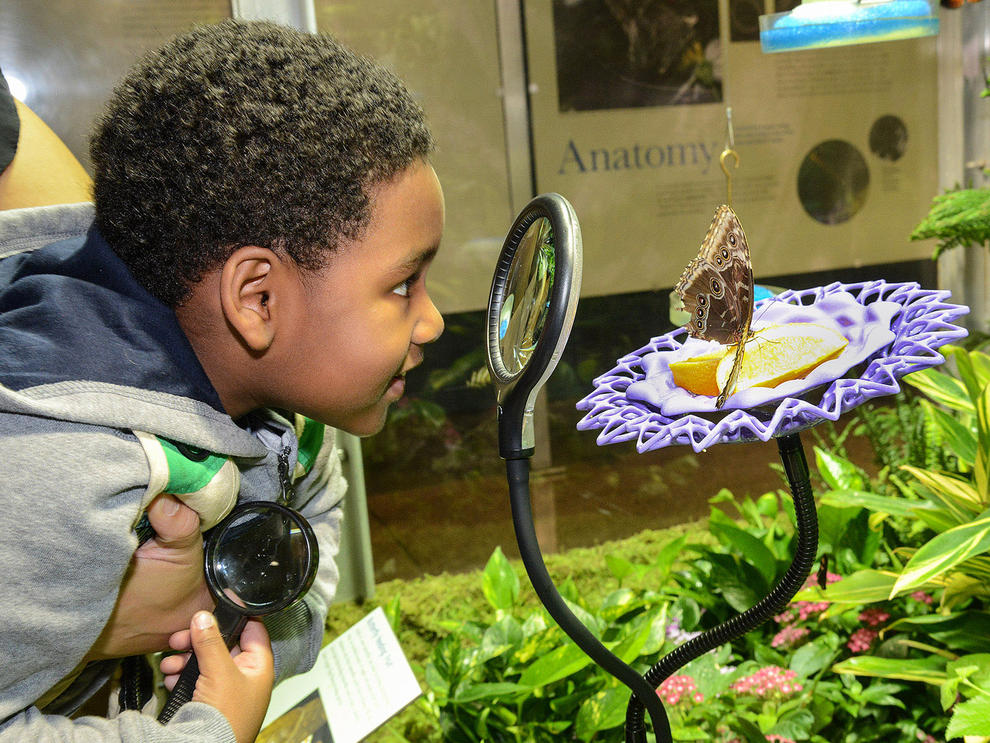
point(163, 587)
point(237, 682)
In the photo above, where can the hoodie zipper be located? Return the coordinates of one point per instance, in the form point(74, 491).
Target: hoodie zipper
point(286, 491)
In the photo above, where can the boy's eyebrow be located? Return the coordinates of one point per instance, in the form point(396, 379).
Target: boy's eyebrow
point(415, 262)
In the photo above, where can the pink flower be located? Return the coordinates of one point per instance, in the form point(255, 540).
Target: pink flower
point(770, 681)
point(830, 578)
point(789, 637)
point(874, 616)
point(922, 597)
point(800, 611)
point(675, 688)
point(862, 640)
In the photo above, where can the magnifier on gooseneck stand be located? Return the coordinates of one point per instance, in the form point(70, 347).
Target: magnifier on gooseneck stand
point(531, 310)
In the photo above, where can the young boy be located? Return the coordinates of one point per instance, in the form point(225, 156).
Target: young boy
point(264, 219)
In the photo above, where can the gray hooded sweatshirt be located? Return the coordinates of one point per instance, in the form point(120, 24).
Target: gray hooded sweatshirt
point(101, 402)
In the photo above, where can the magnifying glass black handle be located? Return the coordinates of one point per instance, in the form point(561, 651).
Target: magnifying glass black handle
point(231, 623)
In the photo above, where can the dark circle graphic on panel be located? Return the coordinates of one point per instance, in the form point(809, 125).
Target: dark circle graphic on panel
point(888, 138)
point(832, 181)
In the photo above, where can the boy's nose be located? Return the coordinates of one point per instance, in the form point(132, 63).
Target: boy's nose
point(430, 327)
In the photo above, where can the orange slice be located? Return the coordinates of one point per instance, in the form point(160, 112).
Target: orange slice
point(779, 353)
point(697, 375)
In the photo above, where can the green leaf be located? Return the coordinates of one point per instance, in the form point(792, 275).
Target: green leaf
point(942, 388)
point(971, 717)
point(927, 670)
point(883, 695)
point(491, 691)
point(601, 711)
point(952, 493)
point(631, 647)
point(796, 725)
point(499, 582)
point(881, 503)
point(505, 634)
point(620, 567)
point(958, 438)
point(966, 371)
point(668, 555)
point(838, 473)
point(658, 632)
point(810, 658)
point(944, 552)
point(974, 667)
point(981, 365)
point(862, 587)
point(393, 613)
point(589, 620)
point(967, 631)
point(750, 732)
point(983, 452)
point(554, 666)
point(749, 546)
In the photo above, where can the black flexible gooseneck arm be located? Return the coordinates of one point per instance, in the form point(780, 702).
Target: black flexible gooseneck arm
point(798, 477)
point(517, 471)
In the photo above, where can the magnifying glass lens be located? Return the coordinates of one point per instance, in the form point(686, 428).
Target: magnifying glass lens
point(262, 560)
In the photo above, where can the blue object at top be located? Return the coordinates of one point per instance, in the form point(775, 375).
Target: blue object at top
point(814, 25)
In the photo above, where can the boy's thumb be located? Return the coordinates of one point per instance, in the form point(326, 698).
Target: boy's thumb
point(176, 525)
point(207, 642)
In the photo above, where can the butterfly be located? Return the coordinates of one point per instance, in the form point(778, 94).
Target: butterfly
point(716, 289)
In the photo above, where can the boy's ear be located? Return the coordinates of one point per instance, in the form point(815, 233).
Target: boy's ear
point(248, 295)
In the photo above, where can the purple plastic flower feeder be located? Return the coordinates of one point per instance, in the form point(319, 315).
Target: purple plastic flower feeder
point(892, 329)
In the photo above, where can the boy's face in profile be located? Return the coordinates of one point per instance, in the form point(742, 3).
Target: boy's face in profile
point(368, 314)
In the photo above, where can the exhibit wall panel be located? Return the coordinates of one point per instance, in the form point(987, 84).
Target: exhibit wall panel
point(63, 57)
point(448, 54)
point(837, 148)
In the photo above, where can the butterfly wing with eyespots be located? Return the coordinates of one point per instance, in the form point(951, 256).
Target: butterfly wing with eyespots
point(716, 289)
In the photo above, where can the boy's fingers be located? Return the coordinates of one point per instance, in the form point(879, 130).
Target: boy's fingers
point(172, 664)
point(255, 656)
point(254, 637)
point(180, 640)
point(176, 525)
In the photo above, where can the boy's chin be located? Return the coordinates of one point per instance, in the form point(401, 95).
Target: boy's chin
point(366, 427)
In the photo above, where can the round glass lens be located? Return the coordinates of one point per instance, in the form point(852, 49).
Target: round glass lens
point(527, 296)
point(261, 560)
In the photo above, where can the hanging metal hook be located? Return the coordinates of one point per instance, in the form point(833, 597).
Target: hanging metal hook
point(730, 143)
point(728, 173)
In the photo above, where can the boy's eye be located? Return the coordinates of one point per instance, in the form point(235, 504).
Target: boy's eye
point(403, 289)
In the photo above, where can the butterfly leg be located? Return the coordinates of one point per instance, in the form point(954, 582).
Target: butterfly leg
point(730, 383)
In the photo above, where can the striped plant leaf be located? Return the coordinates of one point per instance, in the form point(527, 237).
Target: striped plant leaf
point(959, 438)
point(980, 471)
point(941, 388)
point(927, 670)
point(862, 587)
point(944, 552)
point(953, 493)
point(967, 372)
point(879, 503)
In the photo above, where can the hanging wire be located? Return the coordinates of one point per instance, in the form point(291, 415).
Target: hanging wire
point(729, 150)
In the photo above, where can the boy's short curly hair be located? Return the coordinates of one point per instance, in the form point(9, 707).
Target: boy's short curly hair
point(246, 133)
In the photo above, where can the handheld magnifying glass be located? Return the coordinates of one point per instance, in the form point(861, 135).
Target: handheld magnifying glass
point(260, 559)
point(531, 310)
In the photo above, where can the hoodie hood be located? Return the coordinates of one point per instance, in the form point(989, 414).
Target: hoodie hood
point(81, 340)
